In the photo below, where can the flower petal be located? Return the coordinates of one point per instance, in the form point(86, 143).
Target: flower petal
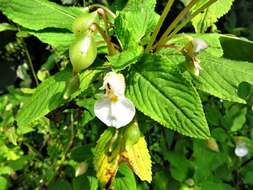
point(116, 82)
point(123, 112)
point(115, 114)
point(102, 109)
point(199, 45)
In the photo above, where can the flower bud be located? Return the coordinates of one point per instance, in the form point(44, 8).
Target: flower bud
point(82, 24)
point(132, 135)
point(83, 52)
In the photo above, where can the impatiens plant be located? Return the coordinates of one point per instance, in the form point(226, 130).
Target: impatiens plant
point(123, 70)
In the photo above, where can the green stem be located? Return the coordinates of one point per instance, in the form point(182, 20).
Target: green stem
point(28, 57)
point(107, 39)
point(159, 24)
point(103, 7)
point(180, 26)
point(181, 15)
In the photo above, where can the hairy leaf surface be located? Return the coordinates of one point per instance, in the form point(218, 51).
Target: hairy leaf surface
point(160, 92)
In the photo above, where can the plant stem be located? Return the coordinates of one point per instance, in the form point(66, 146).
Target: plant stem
point(175, 22)
point(103, 7)
point(164, 39)
point(107, 39)
point(28, 57)
point(159, 24)
point(180, 26)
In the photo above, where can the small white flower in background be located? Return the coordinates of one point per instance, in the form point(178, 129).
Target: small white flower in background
point(198, 45)
point(114, 109)
point(191, 50)
point(241, 149)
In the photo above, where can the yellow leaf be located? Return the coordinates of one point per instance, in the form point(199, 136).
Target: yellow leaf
point(106, 164)
point(139, 160)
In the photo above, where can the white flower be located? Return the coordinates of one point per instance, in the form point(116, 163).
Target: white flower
point(198, 45)
point(114, 109)
point(191, 51)
point(241, 149)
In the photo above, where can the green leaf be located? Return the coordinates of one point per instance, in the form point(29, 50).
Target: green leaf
point(39, 14)
point(179, 166)
point(211, 15)
point(137, 5)
point(61, 39)
point(125, 58)
point(81, 153)
point(60, 185)
point(125, 178)
point(235, 117)
point(160, 92)
point(58, 39)
point(211, 185)
point(135, 21)
point(106, 164)
point(3, 183)
point(6, 26)
point(221, 77)
point(49, 95)
point(86, 181)
point(237, 48)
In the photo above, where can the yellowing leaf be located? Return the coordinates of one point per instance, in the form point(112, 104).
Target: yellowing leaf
point(106, 164)
point(139, 159)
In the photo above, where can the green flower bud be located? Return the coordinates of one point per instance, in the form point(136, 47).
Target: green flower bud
point(82, 24)
point(132, 135)
point(83, 52)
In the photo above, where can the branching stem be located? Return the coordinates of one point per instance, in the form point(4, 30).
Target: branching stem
point(159, 24)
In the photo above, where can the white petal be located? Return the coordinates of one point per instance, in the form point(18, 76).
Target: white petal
point(102, 109)
point(199, 45)
point(241, 150)
point(123, 112)
point(115, 114)
point(116, 82)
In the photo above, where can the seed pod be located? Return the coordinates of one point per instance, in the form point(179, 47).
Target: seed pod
point(82, 24)
point(71, 86)
point(83, 52)
point(132, 135)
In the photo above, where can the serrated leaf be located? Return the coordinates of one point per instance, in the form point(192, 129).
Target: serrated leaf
point(139, 159)
point(125, 58)
point(49, 95)
point(158, 90)
point(135, 21)
point(221, 77)
point(39, 14)
point(211, 15)
point(125, 178)
point(58, 39)
point(106, 164)
point(61, 39)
